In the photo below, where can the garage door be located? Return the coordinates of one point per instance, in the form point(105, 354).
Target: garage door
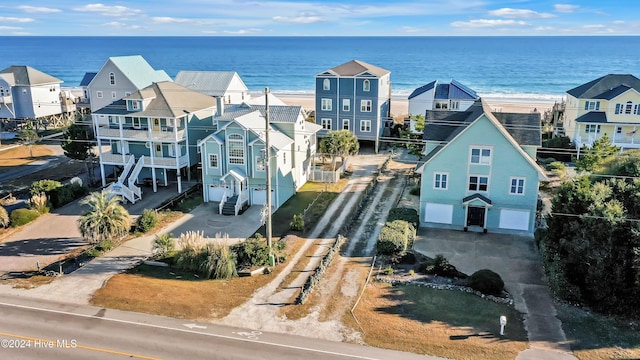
point(515, 219)
point(215, 192)
point(438, 213)
point(259, 196)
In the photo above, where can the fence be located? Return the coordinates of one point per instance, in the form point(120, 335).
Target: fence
point(180, 197)
point(319, 175)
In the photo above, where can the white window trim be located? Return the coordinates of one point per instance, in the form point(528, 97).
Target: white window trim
point(588, 127)
point(326, 84)
point(366, 104)
point(366, 85)
point(114, 95)
point(326, 121)
point(363, 127)
point(481, 157)
point(135, 105)
point(524, 185)
point(435, 181)
point(346, 104)
point(214, 156)
point(136, 123)
point(99, 94)
point(229, 157)
point(345, 122)
point(260, 159)
point(326, 104)
point(478, 183)
point(112, 79)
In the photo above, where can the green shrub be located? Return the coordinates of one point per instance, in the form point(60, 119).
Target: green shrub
point(4, 217)
point(487, 282)
point(406, 214)
point(105, 245)
point(93, 252)
point(61, 196)
point(440, 266)
point(394, 237)
point(147, 221)
point(557, 166)
point(218, 262)
point(297, 224)
point(20, 217)
point(279, 249)
point(388, 271)
point(39, 203)
point(253, 251)
point(44, 186)
point(163, 244)
point(415, 191)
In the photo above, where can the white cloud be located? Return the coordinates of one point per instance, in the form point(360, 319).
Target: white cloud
point(15, 19)
point(170, 20)
point(545, 28)
point(484, 23)
point(565, 8)
point(519, 13)
point(302, 19)
point(243, 31)
point(10, 28)
point(411, 29)
point(105, 10)
point(119, 25)
point(36, 9)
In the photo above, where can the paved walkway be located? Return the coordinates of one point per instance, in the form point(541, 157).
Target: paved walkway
point(517, 261)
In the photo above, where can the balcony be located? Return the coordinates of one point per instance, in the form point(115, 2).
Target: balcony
point(6, 99)
point(115, 159)
point(165, 162)
point(135, 134)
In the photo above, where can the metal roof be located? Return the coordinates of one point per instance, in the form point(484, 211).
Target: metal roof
point(86, 79)
point(138, 70)
point(27, 76)
point(596, 88)
point(212, 83)
point(422, 89)
point(451, 90)
point(277, 113)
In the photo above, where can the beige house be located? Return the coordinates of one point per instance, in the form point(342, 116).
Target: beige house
point(607, 105)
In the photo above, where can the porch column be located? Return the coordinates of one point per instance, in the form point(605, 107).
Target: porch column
point(102, 174)
point(466, 215)
point(153, 179)
point(179, 179)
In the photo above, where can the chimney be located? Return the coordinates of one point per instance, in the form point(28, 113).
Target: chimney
point(220, 106)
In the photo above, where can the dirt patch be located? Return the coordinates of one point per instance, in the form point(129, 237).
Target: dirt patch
point(20, 156)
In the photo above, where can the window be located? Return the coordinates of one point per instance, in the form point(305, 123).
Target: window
point(127, 93)
point(326, 84)
point(440, 105)
point(627, 109)
point(365, 125)
point(213, 160)
point(99, 94)
point(236, 149)
point(135, 105)
point(592, 129)
point(114, 95)
point(136, 123)
point(112, 78)
point(260, 163)
point(440, 181)
point(517, 186)
point(366, 86)
point(284, 158)
point(346, 105)
point(455, 105)
point(481, 156)
point(365, 105)
point(345, 124)
point(326, 104)
point(326, 124)
point(592, 105)
point(478, 183)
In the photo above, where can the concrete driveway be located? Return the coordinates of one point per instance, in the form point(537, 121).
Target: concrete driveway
point(517, 261)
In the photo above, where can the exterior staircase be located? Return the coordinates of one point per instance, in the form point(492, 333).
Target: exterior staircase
point(229, 207)
point(125, 186)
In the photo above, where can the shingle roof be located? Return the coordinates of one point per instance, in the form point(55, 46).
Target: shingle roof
point(26, 76)
point(356, 67)
point(86, 79)
point(138, 70)
point(212, 83)
point(612, 93)
point(168, 100)
point(593, 117)
point(601, 85)
point(476, 196)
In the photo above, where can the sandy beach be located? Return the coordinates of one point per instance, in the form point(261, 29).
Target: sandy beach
point(400, 105)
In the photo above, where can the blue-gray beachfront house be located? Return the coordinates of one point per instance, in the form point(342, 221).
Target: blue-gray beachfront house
point(354, 96)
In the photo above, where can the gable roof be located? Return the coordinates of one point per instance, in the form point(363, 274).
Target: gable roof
point(277, 113)
point(422, 89)
point(168, 99)
point(212, 83)
point(138, 70)
point(357, 67)
point(450, 90)
point(612, 93)
point(273, 100)
point(27, 76)
point(86, 79)
point(255, 122)
point(595, 88)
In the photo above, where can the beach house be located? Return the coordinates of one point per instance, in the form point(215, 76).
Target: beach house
point(437, 95)
point(480, 171)
point(354, 96)
point(226, 85)
point(121, 76)
point(233, 156)
point(607, 105)
point(149, 137)
point(28, 93)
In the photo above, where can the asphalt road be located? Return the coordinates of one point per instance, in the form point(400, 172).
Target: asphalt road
point(33, 329)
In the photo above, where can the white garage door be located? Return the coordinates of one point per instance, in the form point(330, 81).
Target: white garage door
point(514, 219)
point(438, 213)
point(259, 196)
point(215, 192)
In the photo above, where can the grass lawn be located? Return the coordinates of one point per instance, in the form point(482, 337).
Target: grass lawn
point(594, 336)
point(443, 323)
point(158, 291)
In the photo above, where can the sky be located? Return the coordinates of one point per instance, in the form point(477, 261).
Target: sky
point(320, 18)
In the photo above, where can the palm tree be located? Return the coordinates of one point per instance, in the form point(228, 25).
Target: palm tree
point(106, 219)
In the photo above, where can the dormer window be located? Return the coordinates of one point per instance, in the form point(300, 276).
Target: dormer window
point(112, 78)
point(135, 105)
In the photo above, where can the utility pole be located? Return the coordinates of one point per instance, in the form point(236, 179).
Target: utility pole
point(267, 167)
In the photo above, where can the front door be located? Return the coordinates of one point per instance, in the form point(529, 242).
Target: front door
point(156, 124)
point(475, 216)
point(158, 148)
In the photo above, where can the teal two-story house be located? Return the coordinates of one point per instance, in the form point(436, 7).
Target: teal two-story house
point(480, 171)
point(354, 96)
point(234, 157)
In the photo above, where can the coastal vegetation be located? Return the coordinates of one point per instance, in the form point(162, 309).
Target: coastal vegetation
point(106, 218)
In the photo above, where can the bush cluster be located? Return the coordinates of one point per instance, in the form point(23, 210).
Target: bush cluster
point(44, 186)
point(65, 194)
point(395, 237)
point(21, 217)
point(210, 260)
point(252, 252)
point(487, 282)
point(406, 214)
point(297, 224)
point(147, 221)
point(440, 266)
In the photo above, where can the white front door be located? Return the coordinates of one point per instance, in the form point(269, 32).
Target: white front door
point(156, 124)
point(158, 149)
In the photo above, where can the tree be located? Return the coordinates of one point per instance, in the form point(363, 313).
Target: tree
point(418, 122)
point(599, 152)
point(341, 143)
point(623, 164)
point(28, 137)
point(78, 146)
point(106, 219)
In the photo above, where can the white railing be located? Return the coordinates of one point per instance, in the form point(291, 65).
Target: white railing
point(127, 169)
point(120, 189)
point(6, 99)
point(167, 161)
point(136, 171)
point(244, 196)
point(104, 131)
point(114, 158)
point(222, 201)
point(136, 190)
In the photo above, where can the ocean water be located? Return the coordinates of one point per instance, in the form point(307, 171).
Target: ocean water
point(519, 67)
